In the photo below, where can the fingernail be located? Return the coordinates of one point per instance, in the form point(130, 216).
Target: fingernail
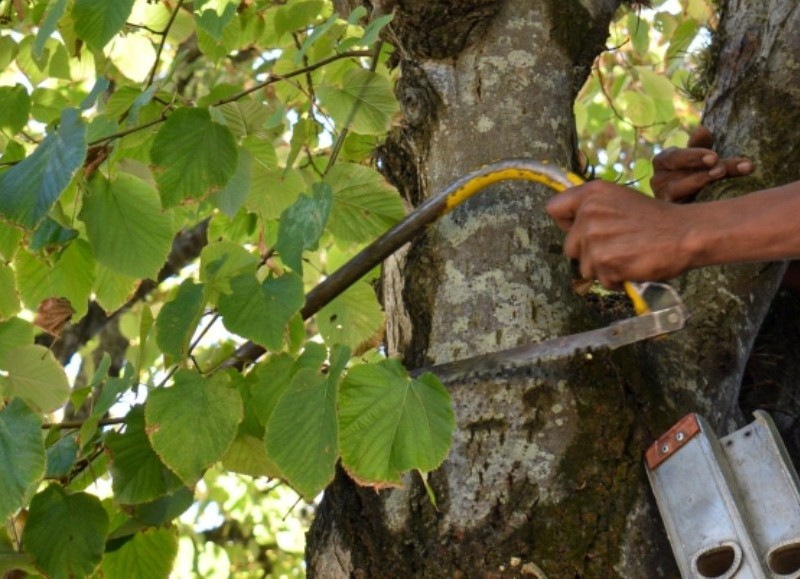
point(744, 167)
point(709, 159)
point(717, 172)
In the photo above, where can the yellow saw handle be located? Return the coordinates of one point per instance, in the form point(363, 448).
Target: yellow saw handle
point(524, 169)
point(432, 209)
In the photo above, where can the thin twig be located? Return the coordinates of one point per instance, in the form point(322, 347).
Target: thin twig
point(79, 423)
point(127, 132)
point(170, 374)
point(152, 76)
point(273, 78)
point(203, 332)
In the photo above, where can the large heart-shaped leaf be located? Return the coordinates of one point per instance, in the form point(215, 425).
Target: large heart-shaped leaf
point(193, 156)
point(364, 102)
point(33, 374)
point(302, 433)
point(391, 423)
point(66, 533)
point(192, 424)
point(129, 232)
point(261, 311)
point(364, 204)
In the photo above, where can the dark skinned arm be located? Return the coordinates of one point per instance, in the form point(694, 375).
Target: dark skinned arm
point(619, 234)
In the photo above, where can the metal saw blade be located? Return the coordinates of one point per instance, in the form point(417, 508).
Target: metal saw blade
point(618, 334)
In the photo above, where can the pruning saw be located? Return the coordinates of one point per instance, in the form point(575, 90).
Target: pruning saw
point(665, 314)
point(658, 306)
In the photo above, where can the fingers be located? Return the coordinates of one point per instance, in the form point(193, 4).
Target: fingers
point(675, 159)
point(563, 207)
point(701, 137)
point(683, 188)
point(737, 167)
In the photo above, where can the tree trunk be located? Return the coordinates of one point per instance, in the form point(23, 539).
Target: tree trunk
point(545, 477)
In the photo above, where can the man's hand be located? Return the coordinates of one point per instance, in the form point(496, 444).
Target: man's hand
point(619, 234)
point(678, 174)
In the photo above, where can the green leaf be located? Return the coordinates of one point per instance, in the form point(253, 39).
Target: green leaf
point(364, 204)
point(318, 32)
point(192, 424)
point(71, 277)
point(364, 103)
point(639, 108)
point(47, 105)
point(31, 187)
point(66, 533)
point(302, 224)
point(8, 51)
point(373, 29)
point(97, 23)
point(245, 117)
point(138, 474)
point(231, 198)
point(351, 318)
point(639, 30)
point(297, 15)
point(272, 377)
point(260, 311)
point(272, 191)
point(129, 232)
point(221, 261)
point(661, 90)
point(12, 561)
point(390, 423)
point(145, 325)
point(112, 290)
point(55, 10)
point(21, 454)
point(185, 170)
point(165, 509)
point(51, 235)
point(9, 299)
point(61, 457)
point(302, 434)
point(10, 237)
point(149, 555)
point(683, 36)
point(34, 375)
point(15, 106)
point(178, 319)
point(109, 395)
point(214, 15)
point(14, 333)
point(248, 453)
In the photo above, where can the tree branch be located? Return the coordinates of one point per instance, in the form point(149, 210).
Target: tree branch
point(152, 76)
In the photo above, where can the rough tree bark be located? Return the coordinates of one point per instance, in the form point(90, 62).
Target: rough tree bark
point(545, 476)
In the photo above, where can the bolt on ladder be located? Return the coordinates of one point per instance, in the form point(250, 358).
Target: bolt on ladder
point(731, 506)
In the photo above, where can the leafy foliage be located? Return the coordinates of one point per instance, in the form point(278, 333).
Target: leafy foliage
point(177, 176)
point(636, 101)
